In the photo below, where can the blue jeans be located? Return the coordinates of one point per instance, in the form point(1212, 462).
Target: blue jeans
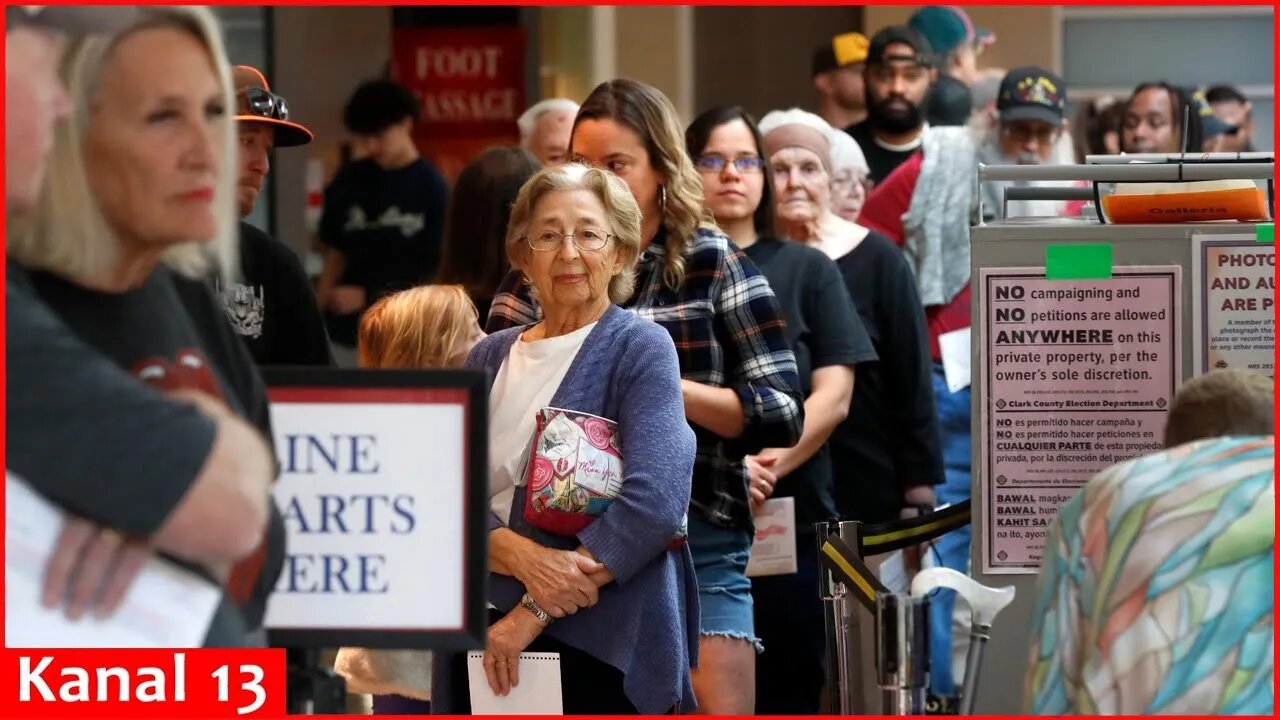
point(954, 411)
point(720, 558)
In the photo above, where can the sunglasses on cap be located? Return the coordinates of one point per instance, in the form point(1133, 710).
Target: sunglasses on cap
point(265, 104)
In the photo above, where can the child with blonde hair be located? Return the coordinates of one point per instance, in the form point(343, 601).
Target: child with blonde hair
point(433, 326)
point(424, 328)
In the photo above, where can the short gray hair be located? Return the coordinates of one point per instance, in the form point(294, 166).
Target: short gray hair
point(620, 208)
point(67, 233)
point(529, 120)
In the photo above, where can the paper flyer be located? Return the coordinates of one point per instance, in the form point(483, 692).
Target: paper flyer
point(1078, 376)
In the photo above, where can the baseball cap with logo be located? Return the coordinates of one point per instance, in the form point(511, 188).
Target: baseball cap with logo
point(75, 19)
point(1213, 125)
point(843, 50)
point(948, 27)
point(256, 103)
point(1032, 93)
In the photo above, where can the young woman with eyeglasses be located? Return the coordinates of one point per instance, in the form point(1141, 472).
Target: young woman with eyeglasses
point(829, 341)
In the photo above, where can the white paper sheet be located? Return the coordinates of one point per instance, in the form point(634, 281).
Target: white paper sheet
point(539, 692)
point(165, 607)
point(774, 549)
point(893, 573)
point(957, 353)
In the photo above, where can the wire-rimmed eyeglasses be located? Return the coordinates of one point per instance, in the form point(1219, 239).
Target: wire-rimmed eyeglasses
point(591, 239)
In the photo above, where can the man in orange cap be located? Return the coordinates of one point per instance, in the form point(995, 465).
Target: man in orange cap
point(273, 307)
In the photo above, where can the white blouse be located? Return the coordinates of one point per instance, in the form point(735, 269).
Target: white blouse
point(526, 382)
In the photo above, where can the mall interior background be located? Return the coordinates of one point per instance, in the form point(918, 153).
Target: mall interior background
point(757, 57)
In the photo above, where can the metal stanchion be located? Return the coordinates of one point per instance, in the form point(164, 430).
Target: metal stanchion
point(902, 652)
point(877, 641)
point(844, 686)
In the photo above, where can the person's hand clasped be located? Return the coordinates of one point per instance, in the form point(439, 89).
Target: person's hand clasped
point(507, 639)
point(91, 568)
point(761, 479)
point(559, 580)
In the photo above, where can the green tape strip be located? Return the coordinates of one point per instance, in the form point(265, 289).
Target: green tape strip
point(1266, 232)
point(1078, 261)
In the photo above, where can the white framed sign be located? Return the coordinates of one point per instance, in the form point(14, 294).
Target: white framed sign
point(1233, 298)
point(382, 488)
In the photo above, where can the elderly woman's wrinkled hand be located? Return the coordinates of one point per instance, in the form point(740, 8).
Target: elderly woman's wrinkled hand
point(507, 639)
point(559, 580)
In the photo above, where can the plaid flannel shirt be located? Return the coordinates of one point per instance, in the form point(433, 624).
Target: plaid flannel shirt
point(729, 332)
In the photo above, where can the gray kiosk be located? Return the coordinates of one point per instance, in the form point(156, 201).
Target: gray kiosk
point(1081, 333)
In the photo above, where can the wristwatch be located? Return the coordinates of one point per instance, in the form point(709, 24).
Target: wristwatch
point(528, 603)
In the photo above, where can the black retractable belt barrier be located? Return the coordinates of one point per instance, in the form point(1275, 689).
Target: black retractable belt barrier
point(887, 537)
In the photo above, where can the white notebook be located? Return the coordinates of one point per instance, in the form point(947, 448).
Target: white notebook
point(165, 607)
point(539, 692)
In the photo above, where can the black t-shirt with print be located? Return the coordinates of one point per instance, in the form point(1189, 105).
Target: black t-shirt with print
point(172, 333)
point(824, 330)
point(880, 160)
point(273, 306)
point(389, 227)
point(890, 440)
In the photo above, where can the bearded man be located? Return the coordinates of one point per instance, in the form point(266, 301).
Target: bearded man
point(927, 206)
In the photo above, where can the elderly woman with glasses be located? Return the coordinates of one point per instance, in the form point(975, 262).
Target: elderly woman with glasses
point(741, 389)
point(616, 596)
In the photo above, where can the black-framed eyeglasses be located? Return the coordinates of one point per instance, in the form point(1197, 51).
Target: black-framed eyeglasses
point(264, 103)
point(716, 163)
point(590, 239)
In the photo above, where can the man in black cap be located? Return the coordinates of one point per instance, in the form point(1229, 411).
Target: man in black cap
point(898, 75)
point(1030, 124)
point(1233, 108)
point(273, 306)
point(135, 469)
point(838, 66)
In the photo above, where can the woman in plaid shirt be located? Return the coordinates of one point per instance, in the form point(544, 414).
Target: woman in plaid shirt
point(741, 387)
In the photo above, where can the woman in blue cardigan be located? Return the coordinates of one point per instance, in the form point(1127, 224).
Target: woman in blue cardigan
point(618, 601)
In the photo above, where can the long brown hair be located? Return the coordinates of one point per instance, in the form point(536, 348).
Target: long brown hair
point(420, 328)
point(474, 254)
point(648, 113)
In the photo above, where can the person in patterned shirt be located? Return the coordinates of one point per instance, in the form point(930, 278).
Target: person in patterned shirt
point(741, 386)
point(1156, 590)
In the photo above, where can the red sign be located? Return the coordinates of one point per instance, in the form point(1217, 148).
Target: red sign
point(471, 85)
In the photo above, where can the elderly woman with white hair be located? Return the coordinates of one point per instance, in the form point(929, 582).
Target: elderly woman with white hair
point(545, 129)
point(849, 177)
point(600, 575)
point(138, 210)
point(886, 456)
